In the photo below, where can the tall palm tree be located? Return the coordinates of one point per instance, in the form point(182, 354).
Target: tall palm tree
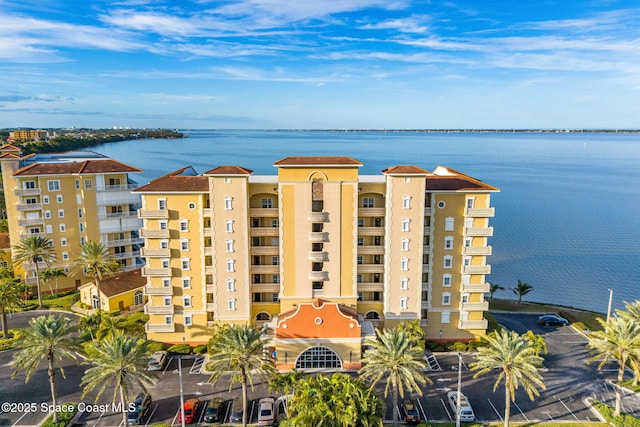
point(96, 260)
point(120, 361)
point(632, 311)
point(522, 289)
point(9, 297)
point(493, 288)
point(47, 337)
point(518, 363)
point(50, 274)
point(33, 250)
point(619, 340)
point(238, 349)
point(396, 357)
point(536, 341)
point(90, 324)
point(109, 326)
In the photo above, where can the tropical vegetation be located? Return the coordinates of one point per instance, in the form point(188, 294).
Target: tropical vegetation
point(35, 249)
point(96, 260)
point(52, 274)
point(522, 289)
point(9, 297)
point(493, 288)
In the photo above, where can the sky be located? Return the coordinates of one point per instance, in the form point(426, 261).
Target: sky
point(318, 64)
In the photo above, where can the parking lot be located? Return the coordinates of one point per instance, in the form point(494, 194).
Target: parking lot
point(567, 376)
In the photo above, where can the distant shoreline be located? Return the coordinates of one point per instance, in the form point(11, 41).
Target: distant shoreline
point(614, 131)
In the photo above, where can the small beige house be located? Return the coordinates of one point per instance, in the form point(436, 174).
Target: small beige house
point(122, 291)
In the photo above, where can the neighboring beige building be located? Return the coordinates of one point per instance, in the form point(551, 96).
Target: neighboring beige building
point(358, 250)
point(70, 198)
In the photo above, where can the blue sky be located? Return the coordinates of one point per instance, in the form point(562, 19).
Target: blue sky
point(309, 64)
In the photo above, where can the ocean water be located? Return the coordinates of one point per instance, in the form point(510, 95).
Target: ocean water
point(567, 216)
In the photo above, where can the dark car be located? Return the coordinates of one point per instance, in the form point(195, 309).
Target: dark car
point(236, 411)
point(552, 319)
point(140, 405)
point(191, 407)
point(213, 412)
point(411, 414)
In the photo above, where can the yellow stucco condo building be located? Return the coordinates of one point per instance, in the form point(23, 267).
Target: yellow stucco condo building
point(71, 198)
point(318, 252)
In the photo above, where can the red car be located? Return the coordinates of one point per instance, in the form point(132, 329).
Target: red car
point(191, 407)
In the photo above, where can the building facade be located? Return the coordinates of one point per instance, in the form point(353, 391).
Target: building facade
point(226, 246)
point(71, 198)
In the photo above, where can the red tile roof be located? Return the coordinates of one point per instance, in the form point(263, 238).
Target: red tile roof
point(121, 282)
point(229, 170)
point(5, 243)
point(76, 168)
point(317, 161)
point(405, 170)
point(176, 182)
point(452, 180)
point(9, 147)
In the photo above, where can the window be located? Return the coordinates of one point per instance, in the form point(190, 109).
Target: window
point(47, 214)
point(448, 224)
point(405, 245)
point(404, 283)
point(404, 303)
point(77, 184)
point(191, 206)
point(441, 204)
point(80, 213)
point(186, 282)
point(229, 226)
point(445, 317)
point(59, 198)
point(165, 263)
point(466, 279)
point(186, 300)
point(188, 320)
point(184, 225)
point(465, 298)
point(468, 242)
point(405, 224)
point(166, 282)
point(275, 260)
point(53, 185)
point(227, 180)
point(368, 202)
point(186, 262)
point(230, 266)
point(162, 204)
point(318, 358)
point(60, 213)
point(275, 223)
point(164, 225)
point(65, 256)
point(184, 244)
point(231, 303)
point(45, 200)
point(88, 184)
point(360, 260)
point(164, 244)
point(267, 203)
point(29, 184)
point(360, 222)
point(468, 222)
point(63, 241)
point(446, 298)
point(448, 242)
point(228, 203)
point(82, 240)
point(360, 241)
point(467, 261)
point(63, 228)
point(78, 199)
point(359, 278)
point(230, 245)
point(446, 280)
point(470, 202)
point(168, 320)
point(404, 264)
point(231, 285)
point(275, 279)
point(167, 301)
point(448, 261)
point(406, 202)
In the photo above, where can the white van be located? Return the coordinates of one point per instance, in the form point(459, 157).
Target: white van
point(466, 412)
point(158, 360)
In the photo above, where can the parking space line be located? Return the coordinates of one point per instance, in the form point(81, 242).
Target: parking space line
point(495, 410)
point(525, 417)
point(549, 415)
point(563, 404)
point(424, 414)
point(446, 410)
point(151, 415)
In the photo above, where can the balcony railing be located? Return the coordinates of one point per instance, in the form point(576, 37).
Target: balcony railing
point(318, 236)
point(371, 212)
point(371, 250)
point(476, 269)
point(160, 327)
point(29, 207)
point(472, 324)
point(123, 187)
point(475, 287)
point(370, 268)
point(125, 242)
point(474, 306)
point(112, 215)
point(128, 254)
point(156, 252)
point(27, 192)
point(317, 293)
point(157, 290)
point(478, 231)
point(265, 287)
point(265, 269)
point(427, 210)
point(318, 276)
point(263, 212)
point(370, 287)
point(211, 306)
point(158, 309)
point(27, 235)
point(319, 216)
point(370, 231)
point(210, 289)
point(154, 234)
point(318, 256)
point(30, 221)
point(477, 250)
point(264, 231)
point(162, 271)
point(479, 212)
point(153, 213)
point(264, 250)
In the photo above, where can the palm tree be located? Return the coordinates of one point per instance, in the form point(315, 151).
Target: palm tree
point(516, 358)
point(47, 337)
point(9, 297)
point(90, 324)
point(493, 288)
point(33, 250)
point(396, 356)
point(50, 274)
point(109, 326)
point(284, 382)
point(120, 361)
point(632, 311)
point(536, 341)
point(619, 340)
point(238, 348)
point(96, 261)
point(522, 289)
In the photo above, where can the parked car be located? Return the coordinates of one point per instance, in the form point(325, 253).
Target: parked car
point(236, 411)
point(140, 405)
point(158, 360)
point(411, 414)
point(191, 407)
point(213, 412)
point(266, 410)
point(552, 319)
point(466, 412)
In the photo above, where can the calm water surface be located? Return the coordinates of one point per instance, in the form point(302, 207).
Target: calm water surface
point(566, 217)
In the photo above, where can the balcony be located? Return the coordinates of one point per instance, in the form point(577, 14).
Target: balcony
point(370, 231)
point(426, 249)
point(211, 306)
point(319, 256)
point(27, 235)
point(207, 231)
point(29, 207)
point(264, 250)
point(474, 306)
point(265, 287)
point(263, 212)
point(30, 221)
point(317, 293)
point(318, 236)
point(124, 242)
point(153, 213)
point(118, 215)
point(265, 269)
point(162, 271)
point(479, 212)
point(370, 268)
point(117, 198)
point(160, 327)
point(264, 231)
point(427, 211)
point(133, 266)
point(209, 269)
point(158, 309)
point(319, 216)
point(472, 324)
point(27, 192)
point(475, 287)
point(126, 255)
point(122, 187)
point(478, 231)
point(477, 250)
point(156, 290)
point(211, 323)
point(156, 252)
point(370, 287)
point(318, 276)
point(476, 269)
point(210, 289)
point(371, 212)
point(154, 234)
point(427, 230)
point(371, 250)
point(424, 305)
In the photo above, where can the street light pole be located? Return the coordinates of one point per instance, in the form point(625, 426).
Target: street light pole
point(609, 308)
point(181, 390)
point(459, 385)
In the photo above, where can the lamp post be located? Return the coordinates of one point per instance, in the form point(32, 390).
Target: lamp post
point(459, 386)
point(609, 308)
point(181, 390)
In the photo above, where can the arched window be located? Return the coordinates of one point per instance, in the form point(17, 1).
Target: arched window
point(372, 315)
point(263, 317)
point(318, 358)
point(404, 303)
point(138, 298)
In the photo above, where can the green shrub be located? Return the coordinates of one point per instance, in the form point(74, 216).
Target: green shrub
point(63, 418)
point(61, 294)
point(457, 346)
point(155, 346)
point(623, 420)
point(180, 349)
point(9, 343)
point(200, 349)
point(492, 323)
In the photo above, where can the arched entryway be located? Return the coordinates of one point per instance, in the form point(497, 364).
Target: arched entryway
point(318, 358)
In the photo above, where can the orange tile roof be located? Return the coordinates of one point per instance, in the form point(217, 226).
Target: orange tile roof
point(405, 170)
point(121, 282)
point(5, 242)
point(176, 182)
point(9, 147)
point(229, 170)
point(76, 168)
point(317, 161)
point(456, 181)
